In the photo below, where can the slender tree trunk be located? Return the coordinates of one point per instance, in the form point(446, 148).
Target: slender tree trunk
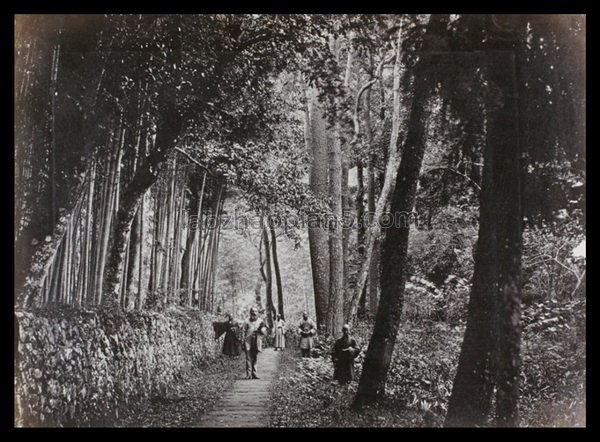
point(140, 295)
point(124, 277)
point(345, 225)
point(56, 274)
point(199, 266)
point(345, 191)
point(66, 283)
point(171, 218)
point(209, 255)
point(106, 224)
point(374, 285)
point(318, 236)
point(194, 209)
point(53, 95)
point(335, 314)
point(206, 265)
point(196, 263)
point(135, 247)
point(257, 291)
point(360, 208)
point(394, 263)
point(131, 288)
point(280, 308)
point(59, 289)
point(372, 291)
point(163, 229)
point(188, 250)
point(179, 226)
point(215, 256)
point(88, 257)
point(154, 245)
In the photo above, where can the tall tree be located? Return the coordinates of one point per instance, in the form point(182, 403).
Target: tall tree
point(316, 141)
point(490, 352)
point(271, 312)
point(345, 149)
point(372, 292)
point(395, 246)
point(280, 309)
point(335, 313)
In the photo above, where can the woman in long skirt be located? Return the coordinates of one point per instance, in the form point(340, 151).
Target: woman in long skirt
point(279, 333)
point(232, 344)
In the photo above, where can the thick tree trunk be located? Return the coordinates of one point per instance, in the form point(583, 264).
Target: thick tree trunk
point(394, 262)
point(318, 237)
point(374, 284)
point(270, 305)
point(144, 177)
point(490, 350)
point(395, 247)
point(503, 131)
point(471, 399)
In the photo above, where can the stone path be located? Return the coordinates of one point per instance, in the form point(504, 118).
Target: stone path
point(246, 404)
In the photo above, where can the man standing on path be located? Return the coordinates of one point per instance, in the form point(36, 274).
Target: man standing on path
point(254, 330)
point(307, 329)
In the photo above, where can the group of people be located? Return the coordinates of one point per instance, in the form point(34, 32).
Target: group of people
point(248, 336)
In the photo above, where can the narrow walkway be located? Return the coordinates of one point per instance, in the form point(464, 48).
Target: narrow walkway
point(246, 403)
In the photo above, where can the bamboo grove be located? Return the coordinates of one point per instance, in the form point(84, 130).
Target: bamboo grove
point(181, 240)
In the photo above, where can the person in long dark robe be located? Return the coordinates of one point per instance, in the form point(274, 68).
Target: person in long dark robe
point(343, 354)
point(232, 345)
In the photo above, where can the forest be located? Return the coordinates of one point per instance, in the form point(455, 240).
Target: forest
point(418, 177)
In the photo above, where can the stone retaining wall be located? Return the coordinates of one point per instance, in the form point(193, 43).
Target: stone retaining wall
point(78, 367)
